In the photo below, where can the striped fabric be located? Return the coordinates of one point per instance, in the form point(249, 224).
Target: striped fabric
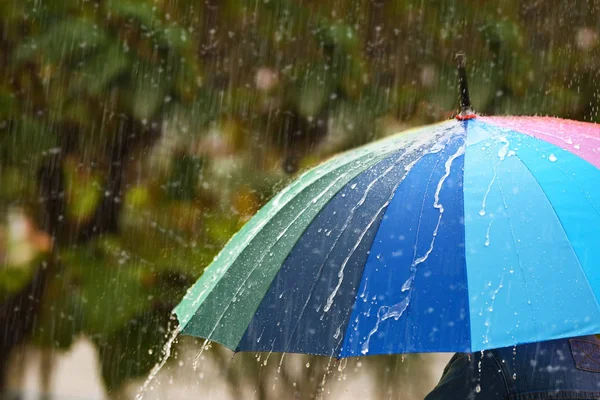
point(460, 236)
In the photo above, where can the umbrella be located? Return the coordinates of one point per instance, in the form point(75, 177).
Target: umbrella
point(471, 234)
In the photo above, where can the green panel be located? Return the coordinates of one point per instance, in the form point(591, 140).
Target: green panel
point(224, 299)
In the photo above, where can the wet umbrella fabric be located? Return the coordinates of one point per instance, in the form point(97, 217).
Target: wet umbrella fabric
point(461, 236)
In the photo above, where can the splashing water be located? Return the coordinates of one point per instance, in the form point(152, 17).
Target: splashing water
point(479, 368)
point(166, 354)
point(487, 234)
point(384, 313)
point(502, 153)
point(280, 363)
point(342, 364)
point(490, 310)
point(337, 333)
point(205, 346)
point(321, 388)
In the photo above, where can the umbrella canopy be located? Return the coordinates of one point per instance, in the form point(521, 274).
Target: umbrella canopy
point(461, 236)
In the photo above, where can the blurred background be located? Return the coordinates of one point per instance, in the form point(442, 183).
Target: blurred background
point(136, 136)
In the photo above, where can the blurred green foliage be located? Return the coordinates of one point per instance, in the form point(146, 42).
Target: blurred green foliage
point(136, 136)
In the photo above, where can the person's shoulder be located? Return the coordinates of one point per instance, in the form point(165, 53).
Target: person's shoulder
point(468, 375)
point(561, 366)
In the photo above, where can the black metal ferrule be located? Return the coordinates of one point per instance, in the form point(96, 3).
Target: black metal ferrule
point(465, 101)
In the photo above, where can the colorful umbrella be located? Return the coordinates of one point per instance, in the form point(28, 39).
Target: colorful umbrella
point(471, 234)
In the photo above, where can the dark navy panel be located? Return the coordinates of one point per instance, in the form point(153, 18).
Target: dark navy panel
point(413, 295)
point(306, 309)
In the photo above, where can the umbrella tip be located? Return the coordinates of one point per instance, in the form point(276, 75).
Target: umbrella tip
point(466, 112)
point(461, 59)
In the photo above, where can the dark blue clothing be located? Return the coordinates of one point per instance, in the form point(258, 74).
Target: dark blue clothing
point(559, 369)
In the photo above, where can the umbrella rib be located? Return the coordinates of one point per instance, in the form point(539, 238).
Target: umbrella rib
point(421, 214)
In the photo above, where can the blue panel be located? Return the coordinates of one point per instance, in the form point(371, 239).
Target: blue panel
point(525, 281)
point(413, 296)
point(295, 315)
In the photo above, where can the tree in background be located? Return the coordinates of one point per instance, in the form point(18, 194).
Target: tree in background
point(136, 136)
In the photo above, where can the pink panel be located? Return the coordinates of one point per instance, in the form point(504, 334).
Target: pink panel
point(581, 138)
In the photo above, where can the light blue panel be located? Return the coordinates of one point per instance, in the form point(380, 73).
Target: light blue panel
point(498, 293)
point(525, 281)
point(483, 135)
point(572, 186)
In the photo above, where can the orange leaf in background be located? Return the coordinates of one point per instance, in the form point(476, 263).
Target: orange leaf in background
point(245, 202)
